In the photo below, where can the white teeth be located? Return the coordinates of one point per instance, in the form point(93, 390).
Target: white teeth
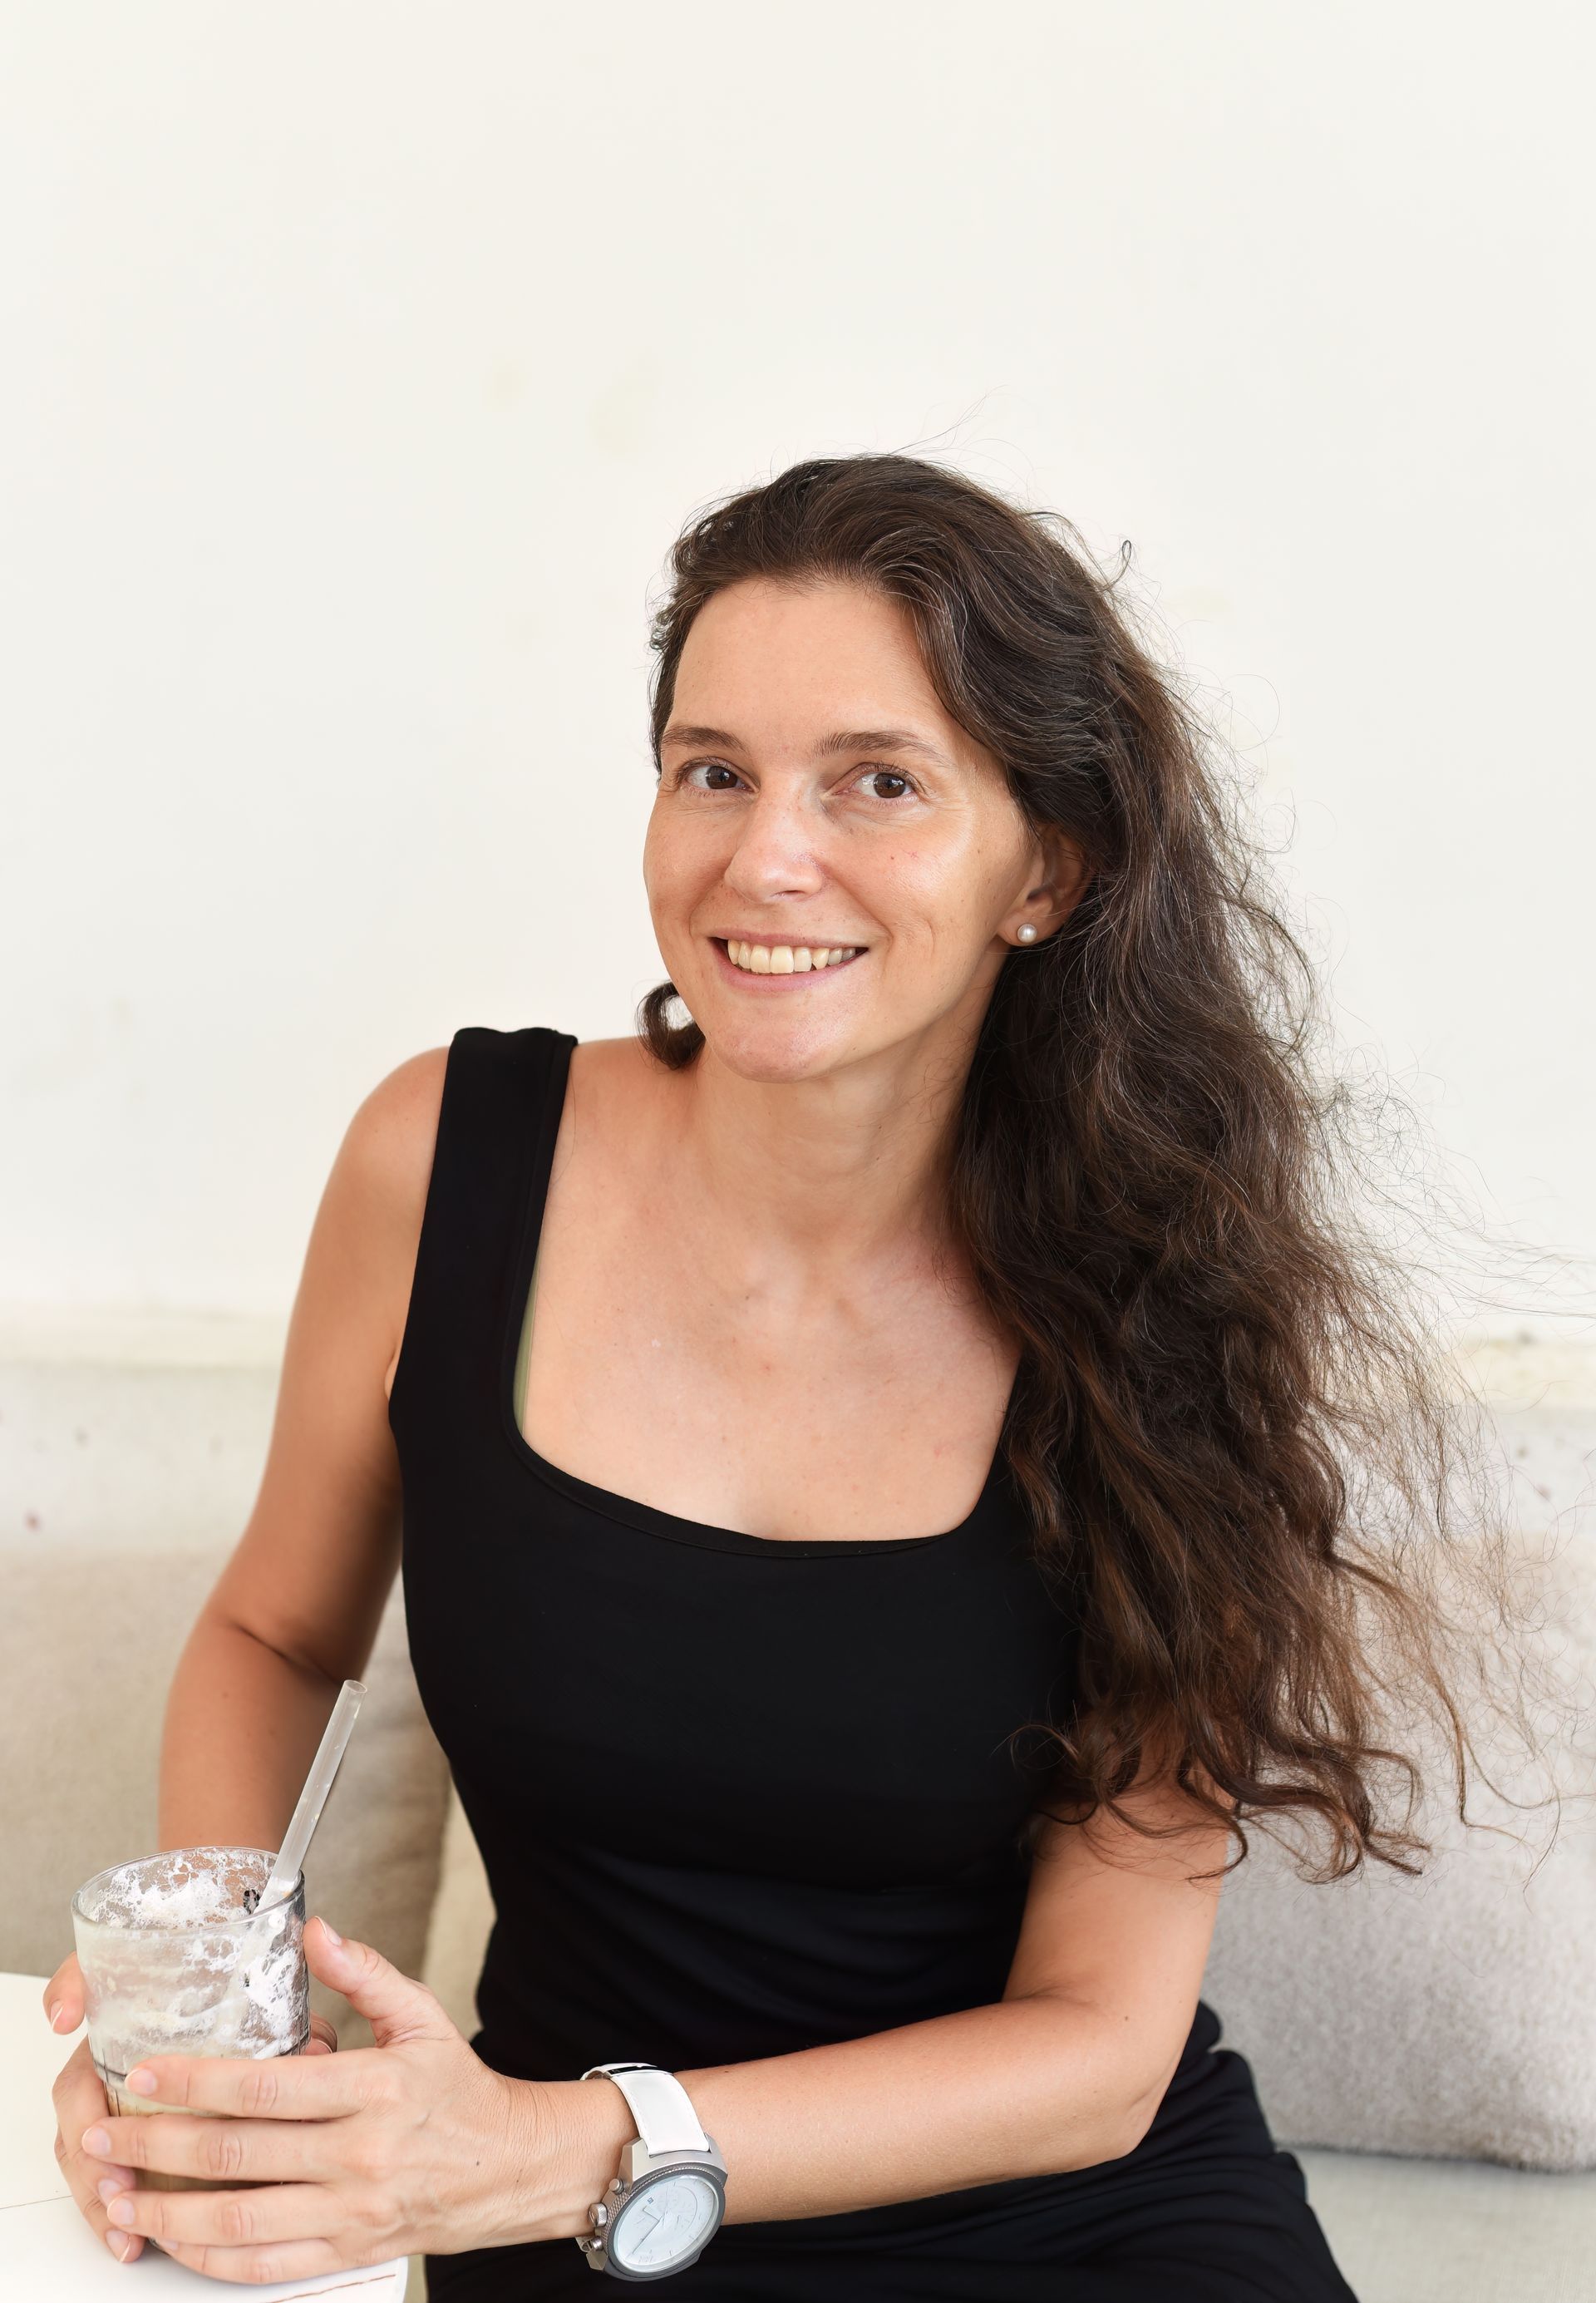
point(788, 958)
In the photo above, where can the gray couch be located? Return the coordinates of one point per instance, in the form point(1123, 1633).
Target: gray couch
point(1428, 2048)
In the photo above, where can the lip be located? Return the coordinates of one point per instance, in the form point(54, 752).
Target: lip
point(746, 981)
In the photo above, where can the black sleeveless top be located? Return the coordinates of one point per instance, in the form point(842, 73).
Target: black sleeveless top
point(734, 1795)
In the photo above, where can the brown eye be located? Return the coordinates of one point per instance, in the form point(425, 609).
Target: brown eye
point(893, 776)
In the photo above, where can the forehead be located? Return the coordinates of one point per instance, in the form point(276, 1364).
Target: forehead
point(780, 665)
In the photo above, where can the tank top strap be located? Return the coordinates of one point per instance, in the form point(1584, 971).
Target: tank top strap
point(453, 1379)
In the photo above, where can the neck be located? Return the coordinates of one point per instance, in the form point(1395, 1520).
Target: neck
point(801, 1184)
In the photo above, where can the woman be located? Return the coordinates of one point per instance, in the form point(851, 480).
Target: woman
point(873, 1524)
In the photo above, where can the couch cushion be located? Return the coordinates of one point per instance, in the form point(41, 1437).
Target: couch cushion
point(1451, 2230)
point(1451, 2016)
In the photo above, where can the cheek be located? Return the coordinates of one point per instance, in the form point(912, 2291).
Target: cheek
point(934, 907)
point(667, 874)
point(678, 855)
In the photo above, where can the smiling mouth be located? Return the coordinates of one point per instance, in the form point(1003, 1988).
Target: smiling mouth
point(762, 960)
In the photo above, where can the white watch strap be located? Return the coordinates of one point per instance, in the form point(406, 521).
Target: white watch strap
point(660, 2104)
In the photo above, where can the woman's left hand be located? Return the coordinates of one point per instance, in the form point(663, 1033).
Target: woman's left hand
point(414, 2146)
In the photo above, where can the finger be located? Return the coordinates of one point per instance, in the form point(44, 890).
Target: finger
point(398, 2006)
point(252, 2266)
point(232, 2220)
point(265, 2087)
point(322, 2028)
point(63, 1997)
point(79, 2097)
point(222, 2150)
point(83, 2177)
point(79, 2100)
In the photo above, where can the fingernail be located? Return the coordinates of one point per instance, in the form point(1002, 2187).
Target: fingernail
point(96, 2139)
point(119, 2243)
point(332, 1934)
point(141, 2081)
point(54, 2011)
point(120, 2210)
point(108, 2187)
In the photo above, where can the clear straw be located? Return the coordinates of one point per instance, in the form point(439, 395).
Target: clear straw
point(312, 1799)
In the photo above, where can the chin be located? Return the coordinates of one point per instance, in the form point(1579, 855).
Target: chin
point(770, 1051)
point(771, 1067)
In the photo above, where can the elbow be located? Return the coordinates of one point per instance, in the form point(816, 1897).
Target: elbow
point(1141, 2095)
point(1145, 2103)
point(1115, 2140)
point(1129, 2119)
point(1134, 2124)
point(1113, 2135)
point(1125, 2097)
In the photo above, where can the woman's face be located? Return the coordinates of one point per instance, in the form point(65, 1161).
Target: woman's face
point(814, 794)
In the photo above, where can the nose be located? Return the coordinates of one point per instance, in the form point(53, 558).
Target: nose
point(779, 849)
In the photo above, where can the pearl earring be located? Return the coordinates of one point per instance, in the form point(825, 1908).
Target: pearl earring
point(1027, 931)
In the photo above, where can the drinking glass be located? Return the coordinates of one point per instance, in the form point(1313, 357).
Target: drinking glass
point(181, 1956)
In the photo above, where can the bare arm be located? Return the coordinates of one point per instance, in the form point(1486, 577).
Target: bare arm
point(1066, 2071)
point(294, 1611)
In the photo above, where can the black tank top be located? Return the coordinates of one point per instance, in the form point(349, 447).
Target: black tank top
point(735, 1796)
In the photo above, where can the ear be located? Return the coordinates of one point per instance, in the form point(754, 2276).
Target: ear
point(1060, 873)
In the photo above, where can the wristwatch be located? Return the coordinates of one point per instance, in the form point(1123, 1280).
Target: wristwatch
point(668, 2199)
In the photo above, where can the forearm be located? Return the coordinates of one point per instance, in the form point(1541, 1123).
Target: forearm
point(1023, 2087)
point(242, 1727)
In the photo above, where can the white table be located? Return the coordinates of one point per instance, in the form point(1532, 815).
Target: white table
point(47, 2248)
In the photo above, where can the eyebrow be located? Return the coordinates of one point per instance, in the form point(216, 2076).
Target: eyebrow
point(857, 740)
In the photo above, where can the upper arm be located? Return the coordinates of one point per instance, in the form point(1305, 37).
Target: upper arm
point(1114, 1921)
point(311, 1573)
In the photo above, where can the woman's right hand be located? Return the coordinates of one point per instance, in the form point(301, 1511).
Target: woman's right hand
point(79, 2099)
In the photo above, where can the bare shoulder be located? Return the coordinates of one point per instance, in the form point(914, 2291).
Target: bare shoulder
point(395, 1127)
point(384, 1164)
point(390, 1140)
point(618, 1085)
point(624, 1063)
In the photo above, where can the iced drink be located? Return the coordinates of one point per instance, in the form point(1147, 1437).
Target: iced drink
point(181, 1956)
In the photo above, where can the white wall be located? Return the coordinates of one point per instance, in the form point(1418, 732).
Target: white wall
point(362, 362)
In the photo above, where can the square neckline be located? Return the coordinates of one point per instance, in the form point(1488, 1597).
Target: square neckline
point(627, 1510)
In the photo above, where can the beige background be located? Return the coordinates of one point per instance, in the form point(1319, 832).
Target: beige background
point(362, 363)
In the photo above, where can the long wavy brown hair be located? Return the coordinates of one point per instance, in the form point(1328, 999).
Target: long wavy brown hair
point(1251, 1464)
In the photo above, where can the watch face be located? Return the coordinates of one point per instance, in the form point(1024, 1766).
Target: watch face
point(664, 2221)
